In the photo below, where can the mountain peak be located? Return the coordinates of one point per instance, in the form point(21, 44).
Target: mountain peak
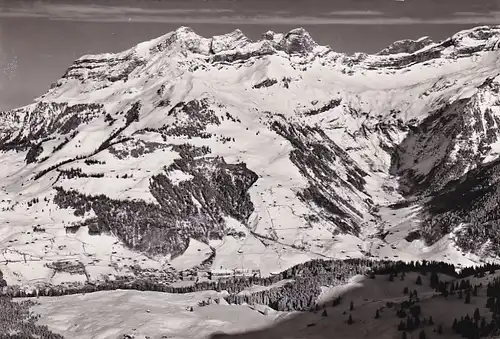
point(160, 149)
point(406, 46)
point(299, 41)
point(229, 41)
point(184, 38)
point(296, 41)
point(477, 38)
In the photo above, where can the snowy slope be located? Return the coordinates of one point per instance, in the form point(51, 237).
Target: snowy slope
point(266, 153)
point(162, 315)
point(147, 315)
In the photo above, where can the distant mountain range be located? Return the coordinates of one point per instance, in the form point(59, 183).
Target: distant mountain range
point(186, 151)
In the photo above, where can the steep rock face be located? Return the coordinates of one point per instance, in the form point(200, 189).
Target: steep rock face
point(474, 40)
point(229, 41)
point(462, 44)
point(26, 126)
point(449, 142)
point(278, 150)
point(297, 41)
point(184, 39)
point(99, 69)
point(406, 46)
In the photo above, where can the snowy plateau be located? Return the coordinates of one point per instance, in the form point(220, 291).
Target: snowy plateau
point(187, 152)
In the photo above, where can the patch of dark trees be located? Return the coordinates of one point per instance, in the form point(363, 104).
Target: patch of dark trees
point(132, 115)
point(449, 196)
point(135, 148)
point(317, 156)
point(194, 116)
point(17, 322)
point(387, 267)
point(192, 208)
point(301, 292)
point(477, 325)
point(89, 162)
point(325, 108)
point(34, 151)
point(265, 83)
point(78, 173)
point(472, 327)
point(472, 201)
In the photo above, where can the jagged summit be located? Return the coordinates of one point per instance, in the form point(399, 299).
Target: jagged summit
point(229, 41)
point(297, 41)
point(466, 41)
point(184, 50)
point(222, 151)
point(477, 37)
point(406, 46)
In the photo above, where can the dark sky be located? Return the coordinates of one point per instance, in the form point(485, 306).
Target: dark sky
point(40, 39)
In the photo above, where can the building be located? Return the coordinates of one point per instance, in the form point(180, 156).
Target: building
point(223, 273)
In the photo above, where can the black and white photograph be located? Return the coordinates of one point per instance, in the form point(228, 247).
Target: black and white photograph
point(249, 169)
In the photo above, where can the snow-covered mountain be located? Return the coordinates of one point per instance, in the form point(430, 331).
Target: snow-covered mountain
point(185, 151)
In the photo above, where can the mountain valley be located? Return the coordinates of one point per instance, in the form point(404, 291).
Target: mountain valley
point(187, 152)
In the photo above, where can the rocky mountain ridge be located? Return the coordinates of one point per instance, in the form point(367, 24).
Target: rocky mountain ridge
point(250, 154)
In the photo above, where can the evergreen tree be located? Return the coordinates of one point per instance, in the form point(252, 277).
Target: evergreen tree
point(416, 322)
point(350, 321)
point(434, 280)
point(477, 316)
point(490, 303)
point(324, 314)
point(404, 336)
point(351, 307)
point(415, 310)
point(496, 309)
point(409, 324)
point(431, 322)
point(377, 314)
point(422, 335)
point(440, 329)
point(415, 295)
point(483, 325)
point(405, 291)
point(467, 297)
point(419, 280)
point(455, 325)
